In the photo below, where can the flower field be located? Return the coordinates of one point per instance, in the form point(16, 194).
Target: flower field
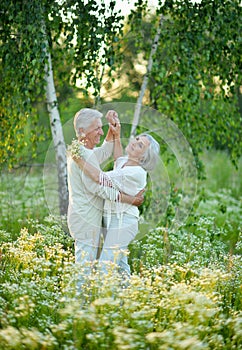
point(185, 291)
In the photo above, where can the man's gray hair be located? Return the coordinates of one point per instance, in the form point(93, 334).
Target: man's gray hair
point(84, 118)
point(151, 155)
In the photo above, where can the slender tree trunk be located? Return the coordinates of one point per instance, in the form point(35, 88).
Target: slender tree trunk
point(57, 135)
point(145, 80)
point(239, 95)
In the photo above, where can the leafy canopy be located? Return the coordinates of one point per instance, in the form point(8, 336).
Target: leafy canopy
point(82, 34)
point(196, 72)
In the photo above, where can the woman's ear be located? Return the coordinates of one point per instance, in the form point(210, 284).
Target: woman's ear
point(141, 160)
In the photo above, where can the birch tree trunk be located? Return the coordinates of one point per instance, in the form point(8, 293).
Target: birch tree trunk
point(57, 136)
point(145, 80)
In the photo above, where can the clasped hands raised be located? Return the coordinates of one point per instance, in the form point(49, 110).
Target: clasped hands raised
point(114, 123)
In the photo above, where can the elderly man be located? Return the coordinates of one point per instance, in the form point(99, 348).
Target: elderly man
point(85, 196)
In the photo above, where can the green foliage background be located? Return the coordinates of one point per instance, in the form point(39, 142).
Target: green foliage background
point(185, 289)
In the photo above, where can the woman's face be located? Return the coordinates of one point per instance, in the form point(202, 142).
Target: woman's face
point(137, 147)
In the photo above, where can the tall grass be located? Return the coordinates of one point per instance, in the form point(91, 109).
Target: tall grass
point(184, 292)
point(22, 198)
point(176, 305)
point(222, 194)
point(221, 173)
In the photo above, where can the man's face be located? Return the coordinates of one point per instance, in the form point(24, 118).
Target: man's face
point(93, 133)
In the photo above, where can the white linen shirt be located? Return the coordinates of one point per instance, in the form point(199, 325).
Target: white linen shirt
point(85, 196)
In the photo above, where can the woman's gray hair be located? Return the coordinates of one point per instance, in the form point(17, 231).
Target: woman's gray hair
point(151, 155)
point(84, 118)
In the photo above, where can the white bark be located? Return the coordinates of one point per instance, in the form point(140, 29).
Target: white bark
point(145, 80)
point(57, 135)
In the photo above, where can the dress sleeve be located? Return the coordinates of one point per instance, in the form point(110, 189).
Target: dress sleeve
point(134, 180)
point(113, 178)
point(108, 186)
point(104, 152)
point(129, 180)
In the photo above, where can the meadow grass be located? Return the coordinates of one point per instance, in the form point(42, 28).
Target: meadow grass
point(22, 198)
point(184, 293)
point(221, 173)
point(175, 305)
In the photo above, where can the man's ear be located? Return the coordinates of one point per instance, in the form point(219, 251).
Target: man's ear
point(81, 132)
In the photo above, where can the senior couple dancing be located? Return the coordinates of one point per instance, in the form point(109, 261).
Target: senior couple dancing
point(109, 199)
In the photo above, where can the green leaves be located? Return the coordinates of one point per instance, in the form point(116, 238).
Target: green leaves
point(22, 70)
point(82, 37)
point(196, 69)
point(98, 29)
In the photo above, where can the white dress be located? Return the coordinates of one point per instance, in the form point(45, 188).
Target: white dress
point(121, 219)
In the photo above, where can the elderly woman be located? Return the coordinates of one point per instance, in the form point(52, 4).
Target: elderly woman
point(129, 176)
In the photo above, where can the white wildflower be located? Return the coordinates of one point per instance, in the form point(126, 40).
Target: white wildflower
point(75, 148)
